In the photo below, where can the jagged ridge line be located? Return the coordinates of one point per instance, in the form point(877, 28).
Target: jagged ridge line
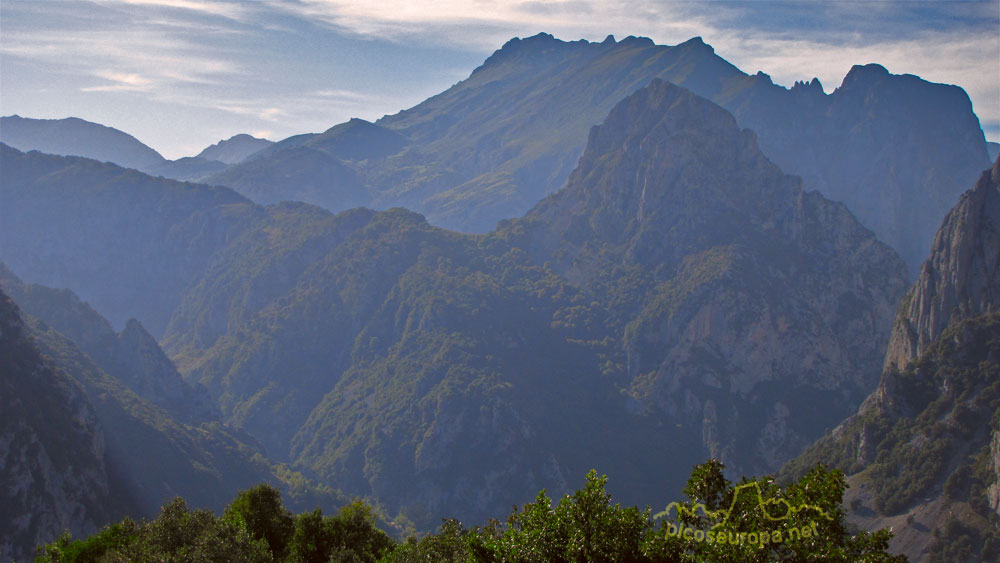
point(714, 514)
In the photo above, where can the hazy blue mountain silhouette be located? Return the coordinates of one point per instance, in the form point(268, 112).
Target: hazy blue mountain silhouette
point(234, 149)
point(896, 149)
point(75, 137)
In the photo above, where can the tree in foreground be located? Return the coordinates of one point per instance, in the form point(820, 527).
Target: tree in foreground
point(255, 527)
point(754, 520)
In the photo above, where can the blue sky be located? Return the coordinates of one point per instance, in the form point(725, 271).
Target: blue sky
point(182, 74)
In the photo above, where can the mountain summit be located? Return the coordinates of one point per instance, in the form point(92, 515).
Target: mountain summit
point(234, 149)
point(680, 297)
point(896, 149)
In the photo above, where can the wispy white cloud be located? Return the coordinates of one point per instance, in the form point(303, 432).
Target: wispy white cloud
point(241, 63)
point(226, 9)
point(342, 95)
point(483, 24)
point(121, 82)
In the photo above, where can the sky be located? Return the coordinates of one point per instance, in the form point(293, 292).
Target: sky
point(182, 74)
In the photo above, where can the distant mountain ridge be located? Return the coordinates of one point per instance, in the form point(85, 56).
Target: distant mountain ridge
point(75, 137)
point(896, 149)
point(234, 149)
point(177, 225)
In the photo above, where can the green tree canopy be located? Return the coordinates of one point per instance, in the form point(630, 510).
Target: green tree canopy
point(754, 520)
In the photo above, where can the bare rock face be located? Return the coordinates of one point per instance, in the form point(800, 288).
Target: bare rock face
point(908, 449)
point(961, 278)
point(993, 492)
point(52, 466)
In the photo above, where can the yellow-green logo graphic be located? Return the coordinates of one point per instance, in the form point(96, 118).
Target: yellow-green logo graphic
point(776, 509)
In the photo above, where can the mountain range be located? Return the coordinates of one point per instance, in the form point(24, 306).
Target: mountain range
point(666, 260)
point(678, 283)
point(75, 137)
point(895, 149)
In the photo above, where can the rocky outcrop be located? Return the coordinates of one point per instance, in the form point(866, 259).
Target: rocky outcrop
point(993, 492)
point(53, 465)
point(922, 451)
point(960, 279)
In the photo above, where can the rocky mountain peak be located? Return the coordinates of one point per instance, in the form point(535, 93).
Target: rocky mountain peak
point(697, 43)
point(633, 41)
point(812, 87)
point(865, 75)
point(534, 48)
point(670, 184)
point(647, 166)
point(961, 278)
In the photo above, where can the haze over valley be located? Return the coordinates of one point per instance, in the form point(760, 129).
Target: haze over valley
point(614, 254)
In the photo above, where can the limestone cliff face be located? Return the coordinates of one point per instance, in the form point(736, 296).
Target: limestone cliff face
point(993, 492)
point(923, 452)
point(763, 310)
point(960, 279)
point(52, 466)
